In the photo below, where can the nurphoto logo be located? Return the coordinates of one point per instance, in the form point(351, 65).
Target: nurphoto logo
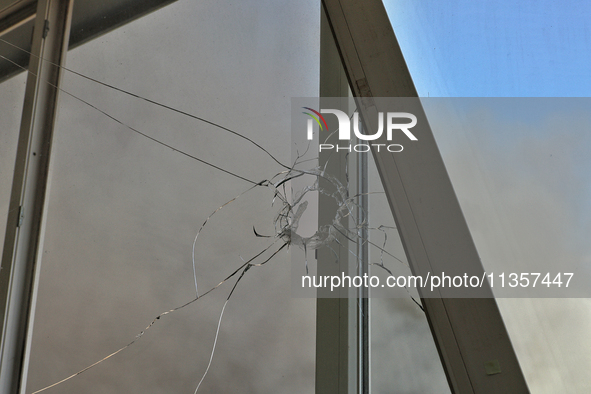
point(344, 130)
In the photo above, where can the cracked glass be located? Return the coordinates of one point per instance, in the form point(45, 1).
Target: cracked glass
point(151, 208)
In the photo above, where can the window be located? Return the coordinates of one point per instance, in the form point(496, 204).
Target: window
point(171, 141)
point(124, 210)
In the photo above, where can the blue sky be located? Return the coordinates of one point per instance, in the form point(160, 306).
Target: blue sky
point(496, 48)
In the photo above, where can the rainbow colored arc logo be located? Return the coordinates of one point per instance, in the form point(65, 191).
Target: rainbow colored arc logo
point(316, 118)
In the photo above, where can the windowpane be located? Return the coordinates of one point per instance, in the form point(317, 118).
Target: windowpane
point(524, 191)
point(125, 209)
point(525, 196)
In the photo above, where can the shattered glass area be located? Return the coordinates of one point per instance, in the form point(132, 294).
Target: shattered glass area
point(344, 225)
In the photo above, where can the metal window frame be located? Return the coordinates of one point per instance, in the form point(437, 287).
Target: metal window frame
point(342, 330)
point(336, 342)
point(23, 246)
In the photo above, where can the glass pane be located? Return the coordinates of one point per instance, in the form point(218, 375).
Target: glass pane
point(125, 209)
point(530, 189)
point(525, 196)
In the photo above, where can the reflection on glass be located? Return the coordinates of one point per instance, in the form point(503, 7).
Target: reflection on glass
point(520, 171)
point(525, 195)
